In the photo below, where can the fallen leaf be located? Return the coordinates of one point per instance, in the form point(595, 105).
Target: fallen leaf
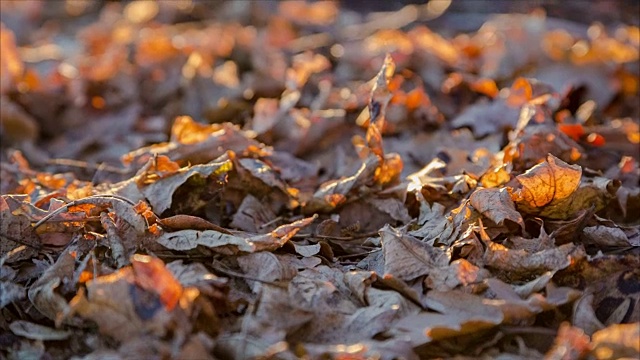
point(616, 341)
point(571, 343)
point(496, 204)
point(33, 331)
point(42, 293)
point(334, 193)
point(406, 257)
point(253, 215)
point(307, 250)
point(10, 292)
point(459, 273)
point(151, 275)
point(229, 243)
point(547, 183)
point(160, 193)
point(474, 178)
point(461, 314)
point(499, 257)
point(267, 267)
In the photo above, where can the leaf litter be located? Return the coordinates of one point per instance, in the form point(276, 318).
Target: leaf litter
point(313, 180)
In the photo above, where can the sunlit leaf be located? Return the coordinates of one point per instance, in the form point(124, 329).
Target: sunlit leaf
point(549, 181)
point(151, 274)
point(616, 341)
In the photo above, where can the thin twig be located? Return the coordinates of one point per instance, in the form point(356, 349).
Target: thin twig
point(4, 236)
point(270, 222)
point(13, 168)
point(358, 254)
point(85, 219)
point(330, 237)
point(514, 330)
point(89, 166)
point(181, 256)
point(247, 277)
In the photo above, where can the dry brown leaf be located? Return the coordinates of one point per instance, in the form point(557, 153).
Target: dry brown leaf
point(16, 230)
point(372, 349)
point(182, 222)
point(337, 327)
point(247, 346)
point(238, 117)
point(257, 177)
point(406, 257)
point(118, 252)
point(42, 293)
point(392, 206)
point(548, 182)
point(253, 215)
point(459, 314)
point(266, 266)
point(307, 250)
point(109, 303)
point(593, 193)
point(604, 236)
point(380, 94)
point(198, 146)
point(232, 244)
point(488, 117)
point(193, 274)
point(496, 204)
point(447, 229)
point(459, 272)
point(151, 275)
point(584, 315)
point(9, 292)
point(499, 257)
point(160, 193)
point(334, 193)
point(359, 282)
point(571, 343)
point(33, 331)
point(189, 239)
point(276, 315)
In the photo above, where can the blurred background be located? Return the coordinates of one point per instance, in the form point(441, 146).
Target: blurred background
point(72, 69)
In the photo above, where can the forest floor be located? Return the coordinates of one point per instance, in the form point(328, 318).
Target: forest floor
point(282, 180)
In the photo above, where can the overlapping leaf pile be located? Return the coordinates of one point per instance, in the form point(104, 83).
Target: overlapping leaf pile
point(285, 180)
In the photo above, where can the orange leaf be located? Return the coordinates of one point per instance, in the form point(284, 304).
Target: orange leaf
point(335, 199)
point(596, 139)
point(548, 181)
point(520, 92)
point(415, 98)
point(10, 62)
point(153, 276)
point(574, 131)
point(485, 86)
point(187, 131)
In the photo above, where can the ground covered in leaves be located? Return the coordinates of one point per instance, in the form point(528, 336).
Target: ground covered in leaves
point(235, 180)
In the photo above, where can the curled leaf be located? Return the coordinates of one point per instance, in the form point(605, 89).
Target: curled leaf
point(549, 181)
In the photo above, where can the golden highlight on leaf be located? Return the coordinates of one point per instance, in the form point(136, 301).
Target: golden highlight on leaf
point(549, 181)
point(194, 179)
